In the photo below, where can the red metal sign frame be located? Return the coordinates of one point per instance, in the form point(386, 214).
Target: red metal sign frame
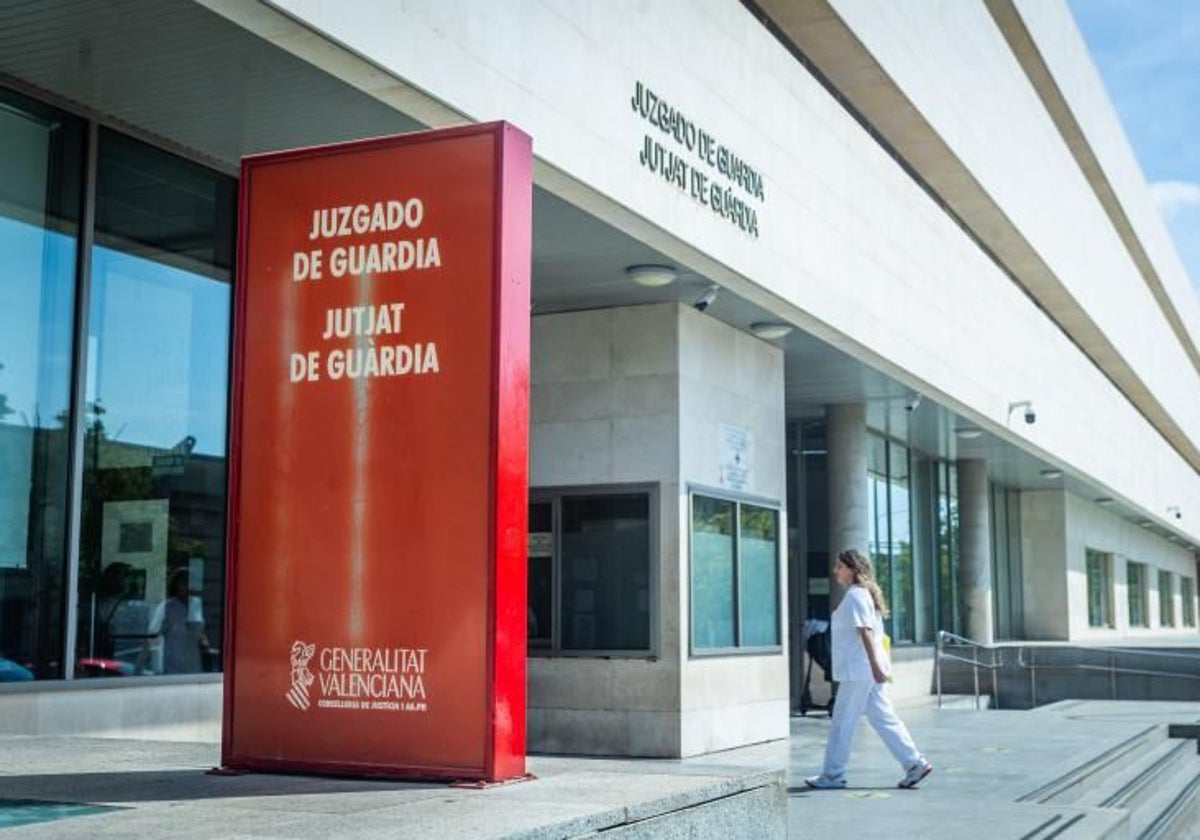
point(509, 193)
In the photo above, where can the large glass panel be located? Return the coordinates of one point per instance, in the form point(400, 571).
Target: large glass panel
point(151, 577)
point(879, 537)
point(1187, 592)
point(947, 539)
point(541, 574)
point(815, 522)
point(1099, 587)
point(901, 546)
point(1135, 582)
point(924, 531)
point(606, 573)
point(1166, 600)
point(758, 566)
point(41, 158)
point(712, 573)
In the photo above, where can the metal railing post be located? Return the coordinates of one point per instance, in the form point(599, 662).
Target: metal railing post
point(995, 668)
point(975, 670)
point(937, 665)
point(1112, 673)
point(1032, 681)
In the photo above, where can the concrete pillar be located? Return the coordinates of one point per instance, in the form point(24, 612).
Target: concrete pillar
point(975, 549)
point(846, 442)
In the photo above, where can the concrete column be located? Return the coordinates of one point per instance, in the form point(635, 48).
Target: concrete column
point(846, 442)
point(975, 549)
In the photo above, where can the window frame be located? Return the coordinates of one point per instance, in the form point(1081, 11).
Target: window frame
point(737, 499)
point(1188, 597)
point(554, 495)
point(1166, 606)
point(1142, 594)
point(1107, 617)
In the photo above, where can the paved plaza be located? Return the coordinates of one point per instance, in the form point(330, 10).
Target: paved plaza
point(999, 774)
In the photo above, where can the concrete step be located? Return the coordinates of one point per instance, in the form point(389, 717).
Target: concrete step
point(1085, 823)
point(1075, 784)
point(1153, 780)
point(1141, 776)
point(1172, 810)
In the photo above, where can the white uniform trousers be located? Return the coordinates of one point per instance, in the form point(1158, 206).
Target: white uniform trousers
point(854, 698)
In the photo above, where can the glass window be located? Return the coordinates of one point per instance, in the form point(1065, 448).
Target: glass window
point(712, 573)
point(152, 561)
point(589, 572)
point(734, 575)
point(1166, 600)
point(1135, 583)
point(890, 535)
point(1187, 592)
point(879, 537)
point(606, 573)
point(947, 539)
point(1099, 584)
point(900, 549)
point(541, 574)
point(758, 566)
point(41, 153)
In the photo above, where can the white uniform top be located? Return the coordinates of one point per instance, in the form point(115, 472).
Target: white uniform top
point(849, 656)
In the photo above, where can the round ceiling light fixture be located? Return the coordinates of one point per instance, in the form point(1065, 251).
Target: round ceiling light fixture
point(1051, 473)
point(1104, 500)
point(652, 276)
point(968, 433)
point(770, 330)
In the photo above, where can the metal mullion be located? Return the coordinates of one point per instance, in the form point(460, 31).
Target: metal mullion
point(556, 575)
point(737, 574)
point(78, 409)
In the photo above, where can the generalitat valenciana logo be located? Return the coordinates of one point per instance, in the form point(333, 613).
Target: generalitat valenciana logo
point(302, 678)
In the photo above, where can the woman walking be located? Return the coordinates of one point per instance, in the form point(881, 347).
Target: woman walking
point(861, 670)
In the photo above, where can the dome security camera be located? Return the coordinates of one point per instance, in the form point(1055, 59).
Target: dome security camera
point(1030, 414)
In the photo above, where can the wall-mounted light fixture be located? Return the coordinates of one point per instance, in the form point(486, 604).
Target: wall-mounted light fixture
point(652, 276)
point(1030, 415)
point(770, 330)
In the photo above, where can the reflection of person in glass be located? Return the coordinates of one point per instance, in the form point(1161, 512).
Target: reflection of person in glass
point(113, 590)
point(180, 620)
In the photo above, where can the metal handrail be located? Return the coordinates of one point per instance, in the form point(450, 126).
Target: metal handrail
point(945, 638)
point(1112, 668)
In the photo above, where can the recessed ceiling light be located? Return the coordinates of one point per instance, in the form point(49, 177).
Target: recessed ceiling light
point(652, 275)
point(1145, 523)
point(1051, 473)
point(770, 330)
point(968, 433)
point(1104, 500)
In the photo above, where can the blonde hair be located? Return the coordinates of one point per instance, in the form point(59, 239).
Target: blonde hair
point(864, 576)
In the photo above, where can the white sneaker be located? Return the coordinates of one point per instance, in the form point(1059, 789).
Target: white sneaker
point(823, 782)
point(913, 775)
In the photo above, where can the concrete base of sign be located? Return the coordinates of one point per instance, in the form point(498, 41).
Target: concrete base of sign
point(161, 789)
